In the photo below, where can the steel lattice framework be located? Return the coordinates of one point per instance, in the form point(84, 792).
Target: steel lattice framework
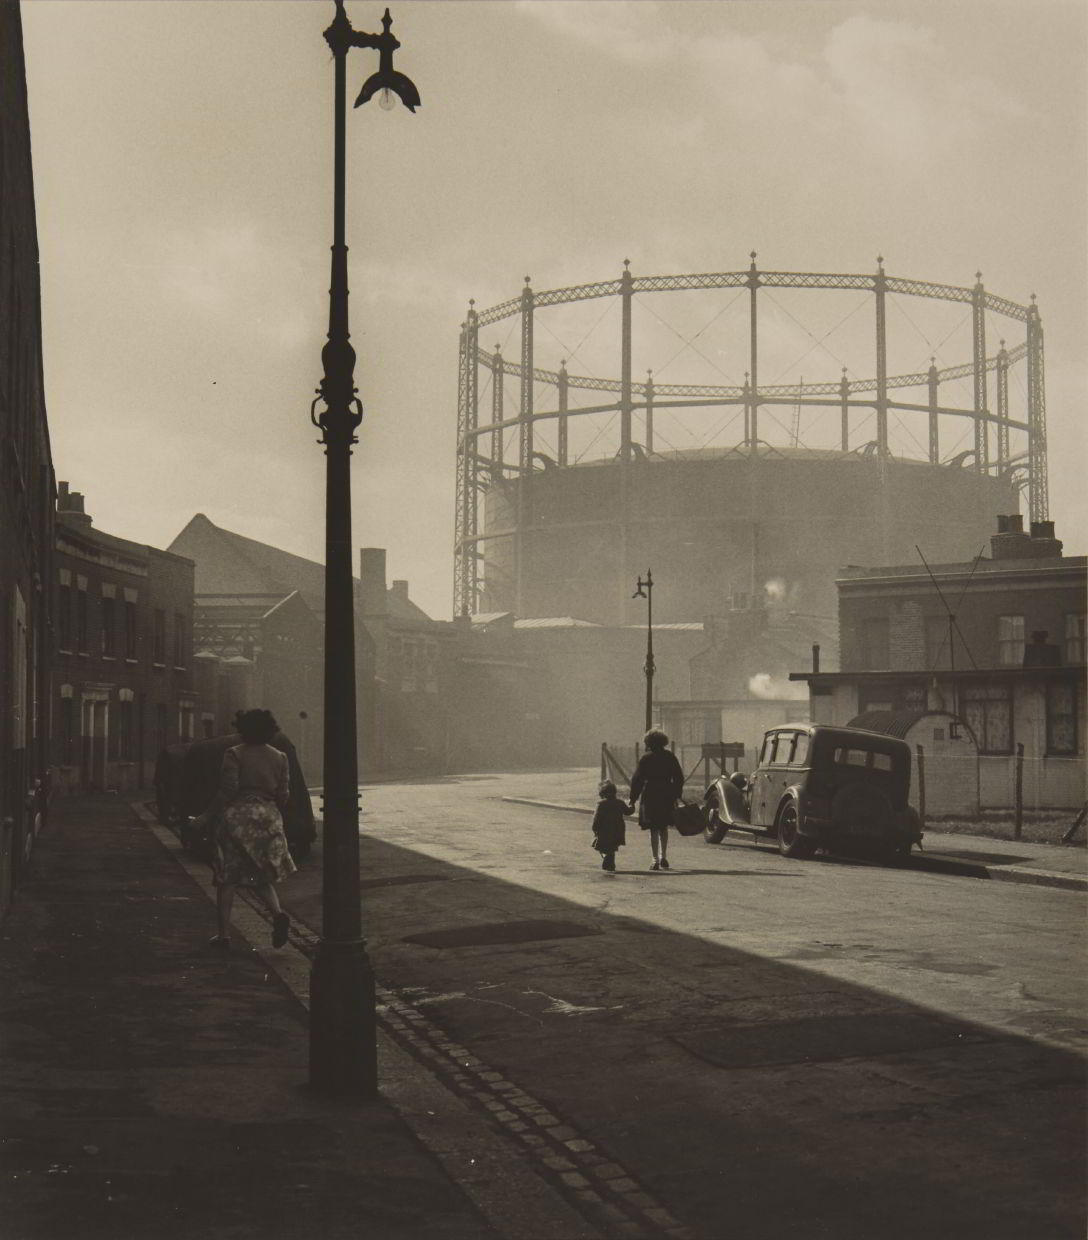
point(480, 450)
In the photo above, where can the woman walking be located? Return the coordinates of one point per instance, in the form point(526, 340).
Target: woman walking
point(657, 784)
point(250, 847)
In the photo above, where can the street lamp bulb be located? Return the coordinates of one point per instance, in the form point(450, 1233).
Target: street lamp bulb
point(387, 101)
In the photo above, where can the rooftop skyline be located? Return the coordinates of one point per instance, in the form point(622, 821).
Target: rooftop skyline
point(182, 161)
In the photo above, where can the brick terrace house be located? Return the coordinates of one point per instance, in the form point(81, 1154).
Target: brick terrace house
point(1010, 668)
point(26, 482)
point(123, 683)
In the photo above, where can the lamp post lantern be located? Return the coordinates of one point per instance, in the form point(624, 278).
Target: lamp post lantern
point(343, 1040)
point(645, 589)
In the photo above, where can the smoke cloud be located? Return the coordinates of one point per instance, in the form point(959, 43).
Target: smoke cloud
point(764, 685)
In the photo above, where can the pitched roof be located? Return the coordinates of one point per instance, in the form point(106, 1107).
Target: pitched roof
point(229, 563)
point(226, 562)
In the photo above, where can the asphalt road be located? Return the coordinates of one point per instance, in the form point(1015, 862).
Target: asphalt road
point(813, 1049)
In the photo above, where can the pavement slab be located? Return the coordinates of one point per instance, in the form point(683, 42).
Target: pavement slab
point(153, 1089)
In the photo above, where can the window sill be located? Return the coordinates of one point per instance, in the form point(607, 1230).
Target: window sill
point(109, 658)
point(177, 668)
point(128, 660)
point(158, 667)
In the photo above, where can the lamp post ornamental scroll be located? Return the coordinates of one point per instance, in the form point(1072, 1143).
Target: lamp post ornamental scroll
point(343, 1055)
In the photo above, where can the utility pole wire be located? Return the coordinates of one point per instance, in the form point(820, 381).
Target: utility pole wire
point(951, 614)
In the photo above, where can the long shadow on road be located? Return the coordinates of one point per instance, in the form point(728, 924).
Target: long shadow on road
point(755, 1098)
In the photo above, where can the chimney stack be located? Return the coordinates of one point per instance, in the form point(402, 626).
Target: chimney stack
point(372, 580)
point(1043, 543)
point(70, 506)
point(1010, 542)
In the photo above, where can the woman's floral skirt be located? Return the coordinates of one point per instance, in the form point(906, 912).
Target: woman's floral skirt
point(250, 847)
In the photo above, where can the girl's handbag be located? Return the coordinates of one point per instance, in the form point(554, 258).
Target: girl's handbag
point(688, 819)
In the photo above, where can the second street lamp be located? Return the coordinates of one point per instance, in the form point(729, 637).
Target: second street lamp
point(645, 589)
point(343, 1037)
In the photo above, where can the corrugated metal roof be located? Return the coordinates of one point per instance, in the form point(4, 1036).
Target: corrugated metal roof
point(555, 622)
point(890, 722)
point(686, 626)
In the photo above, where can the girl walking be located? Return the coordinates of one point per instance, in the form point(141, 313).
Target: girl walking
point(609, 831)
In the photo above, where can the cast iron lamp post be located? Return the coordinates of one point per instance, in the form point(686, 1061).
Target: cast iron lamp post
point(645, 589)
point(343, 1040)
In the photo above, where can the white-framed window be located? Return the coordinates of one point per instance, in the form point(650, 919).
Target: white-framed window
point(1010, 641)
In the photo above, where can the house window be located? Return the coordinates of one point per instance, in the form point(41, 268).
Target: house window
point(875, 650)
point(81, 621)
point(1010, 641)
point(158, 637)
point(130, 630)
point(179, 639)
point(109, 627)
point(125, 732)
point(937, 646)
point(1061, 719)
point(1074, 637)
point(988, 710)
point(64, 617)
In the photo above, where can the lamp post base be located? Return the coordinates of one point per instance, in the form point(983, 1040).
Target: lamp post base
point(343, 1032)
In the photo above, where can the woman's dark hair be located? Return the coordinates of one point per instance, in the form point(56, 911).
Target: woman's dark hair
point(256, 726)
point(655, 739)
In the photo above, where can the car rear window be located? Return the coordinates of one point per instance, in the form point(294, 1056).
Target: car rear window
point(863, 757)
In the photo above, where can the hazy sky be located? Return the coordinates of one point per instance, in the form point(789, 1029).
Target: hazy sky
point(182, 160)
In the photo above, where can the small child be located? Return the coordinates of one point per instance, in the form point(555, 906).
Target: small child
point(608, 825)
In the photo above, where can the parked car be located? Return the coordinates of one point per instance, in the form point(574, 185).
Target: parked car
point(840, 789)
point(187, 777)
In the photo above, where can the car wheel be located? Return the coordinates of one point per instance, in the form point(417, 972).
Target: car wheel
point(791, 843)
point(715, 829)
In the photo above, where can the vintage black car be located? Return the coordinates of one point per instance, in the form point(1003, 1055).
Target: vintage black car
point(187, 777)
point(840, 789)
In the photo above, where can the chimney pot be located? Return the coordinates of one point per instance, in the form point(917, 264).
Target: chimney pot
point(1002, 524)
point(1016, 523)
point(815, 656)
